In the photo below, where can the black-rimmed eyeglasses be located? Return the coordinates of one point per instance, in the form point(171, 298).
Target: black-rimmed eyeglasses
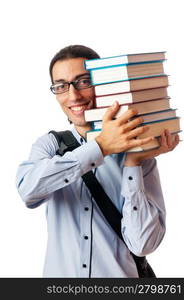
point(63, 86)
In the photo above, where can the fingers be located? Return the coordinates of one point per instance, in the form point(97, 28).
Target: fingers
point(172, 140)
point(169, 138)
point(167, 141)
point(163, 141)
point(140, 142)
point(137, 131)
point(125, 130)
point(177, 139)
point(125, 117)
point(111, 111)
point(132, 124)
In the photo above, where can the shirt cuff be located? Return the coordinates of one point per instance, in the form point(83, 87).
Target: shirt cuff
point(132, 180)
point(89, 156)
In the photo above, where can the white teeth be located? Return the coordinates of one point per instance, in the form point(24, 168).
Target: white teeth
point(77, 108)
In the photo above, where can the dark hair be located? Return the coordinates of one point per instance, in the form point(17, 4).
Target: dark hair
point(72, 51)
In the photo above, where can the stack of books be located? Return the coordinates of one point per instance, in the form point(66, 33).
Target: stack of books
point(135, 81)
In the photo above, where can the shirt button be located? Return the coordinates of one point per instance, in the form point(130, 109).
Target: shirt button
point(93, 164)
point(86, 237)
point(86, 208)
point(84, 265)
point(134, 208)
point(130, 177)
point(66, 180)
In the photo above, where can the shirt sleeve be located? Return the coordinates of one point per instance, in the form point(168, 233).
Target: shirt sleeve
point(45, 172)
point(143, 222)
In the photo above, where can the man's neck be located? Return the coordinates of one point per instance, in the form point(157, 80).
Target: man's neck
point(83, 129)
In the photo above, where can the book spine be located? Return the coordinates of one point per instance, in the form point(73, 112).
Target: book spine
point(109, 100)
point(97, 114)
point(92, 134)
point(120, 87)
point(127, 64)
point(148, 118)
point(125, 79)
point(103, 62)
point(121, 60)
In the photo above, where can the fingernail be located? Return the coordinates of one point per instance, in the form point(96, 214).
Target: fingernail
point(141, 120)
point(114, 104)
point(167, 131)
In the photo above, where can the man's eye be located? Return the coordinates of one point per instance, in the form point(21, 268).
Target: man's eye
point(59, 87)
point(85, 81)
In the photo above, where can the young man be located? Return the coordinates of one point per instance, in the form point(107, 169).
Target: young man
point(81, 243)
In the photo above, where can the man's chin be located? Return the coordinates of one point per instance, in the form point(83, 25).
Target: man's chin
point(80, 124)
point(78, 121)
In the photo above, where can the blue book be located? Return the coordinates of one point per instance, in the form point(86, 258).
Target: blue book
point(147, 117)
point(155, 129)
point(126, 72)
point(131, 85)
point(96, 114)
point(124, 59)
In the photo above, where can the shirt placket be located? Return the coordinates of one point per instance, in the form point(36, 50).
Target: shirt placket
point(86, 232)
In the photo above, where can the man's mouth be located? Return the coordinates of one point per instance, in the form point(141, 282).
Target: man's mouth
point(79, 109)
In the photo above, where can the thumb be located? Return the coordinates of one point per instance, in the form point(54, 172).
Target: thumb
point(111, 111)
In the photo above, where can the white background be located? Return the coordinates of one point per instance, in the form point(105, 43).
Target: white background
point(31, 33)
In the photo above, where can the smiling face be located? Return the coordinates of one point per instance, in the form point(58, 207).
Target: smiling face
point(73, 102)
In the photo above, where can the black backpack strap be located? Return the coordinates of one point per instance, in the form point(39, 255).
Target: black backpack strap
point(67, 142)
point(104, 202)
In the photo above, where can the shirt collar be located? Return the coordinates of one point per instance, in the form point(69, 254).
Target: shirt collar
point(79, 138)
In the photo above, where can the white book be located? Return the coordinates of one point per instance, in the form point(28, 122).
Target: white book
point(155, 129)
point(132, 97)
point(97, 114)
point(122, 72)
point(123, 59)
point(131, 85)
point(154, 116)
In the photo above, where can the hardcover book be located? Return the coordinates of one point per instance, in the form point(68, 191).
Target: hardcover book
point(132, 85)
point(124, 59)
point(149, 146)
point(131, 97)
point(148, 117)
point(155, 129)
point(136, 81)
point(97, 114)
point(122, 72)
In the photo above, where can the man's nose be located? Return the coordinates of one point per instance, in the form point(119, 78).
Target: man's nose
point(73, 93)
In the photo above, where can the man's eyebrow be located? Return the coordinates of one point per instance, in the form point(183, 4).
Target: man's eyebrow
point(77, 77)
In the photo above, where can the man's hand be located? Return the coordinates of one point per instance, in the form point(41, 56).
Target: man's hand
point(119, 135)
point(167, 143)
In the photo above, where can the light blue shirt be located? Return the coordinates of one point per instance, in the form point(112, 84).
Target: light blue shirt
point(80, 241)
